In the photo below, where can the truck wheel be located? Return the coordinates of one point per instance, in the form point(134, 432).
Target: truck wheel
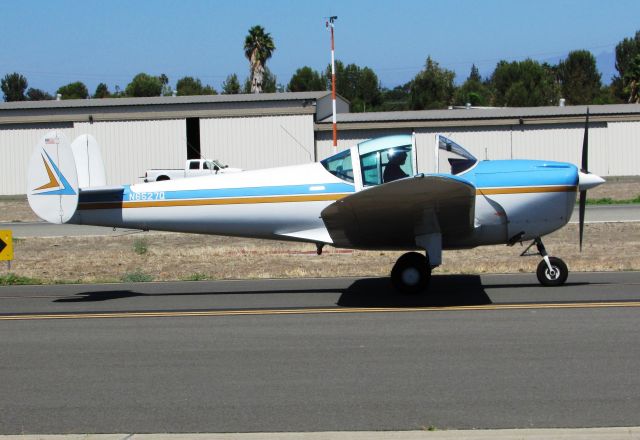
point(162, 178)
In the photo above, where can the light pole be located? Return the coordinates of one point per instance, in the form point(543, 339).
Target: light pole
point(330, 25)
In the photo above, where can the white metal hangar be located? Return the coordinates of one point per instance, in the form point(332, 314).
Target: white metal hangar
point(248, 131)
point(267, 130)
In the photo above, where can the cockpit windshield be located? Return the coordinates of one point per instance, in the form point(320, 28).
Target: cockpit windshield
point(340, 165)
point(452, 158)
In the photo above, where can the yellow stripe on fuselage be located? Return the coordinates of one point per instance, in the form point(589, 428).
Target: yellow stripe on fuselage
point(205, 202)
point(525, 190)
point(296, 198)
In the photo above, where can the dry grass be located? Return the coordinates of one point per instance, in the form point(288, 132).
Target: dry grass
point(612, 246)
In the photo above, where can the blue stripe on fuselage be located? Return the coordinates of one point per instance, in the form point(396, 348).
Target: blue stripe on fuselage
point(125, 194)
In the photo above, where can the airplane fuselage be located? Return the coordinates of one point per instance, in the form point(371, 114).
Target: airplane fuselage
point(516, 199)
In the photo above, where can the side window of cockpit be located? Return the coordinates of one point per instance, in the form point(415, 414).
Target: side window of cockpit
point(371, 171)
point(397, 163)
point(340, 165)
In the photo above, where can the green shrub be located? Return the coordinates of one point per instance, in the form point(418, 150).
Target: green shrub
point(17, 280)
point(136, 277)
point(140, 246)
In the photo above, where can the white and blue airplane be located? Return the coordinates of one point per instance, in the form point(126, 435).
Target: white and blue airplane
point(365, 197)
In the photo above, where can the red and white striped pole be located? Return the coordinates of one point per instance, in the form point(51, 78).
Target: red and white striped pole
point(333, 86)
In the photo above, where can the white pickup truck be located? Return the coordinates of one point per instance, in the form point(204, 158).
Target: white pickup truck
point(193, 168)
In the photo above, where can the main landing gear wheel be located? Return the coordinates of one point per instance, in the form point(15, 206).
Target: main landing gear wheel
point(411, 273)
point(554, 276)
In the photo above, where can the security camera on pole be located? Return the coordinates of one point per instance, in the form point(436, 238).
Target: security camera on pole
point(330, 25)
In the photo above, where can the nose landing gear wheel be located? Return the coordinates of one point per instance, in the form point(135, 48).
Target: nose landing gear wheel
point(554, 277)
point(411, 273)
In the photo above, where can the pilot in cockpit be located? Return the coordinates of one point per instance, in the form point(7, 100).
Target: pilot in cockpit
point(393, 171)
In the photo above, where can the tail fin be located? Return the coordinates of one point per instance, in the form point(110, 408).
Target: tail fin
point(52, 181)
point(89, 166)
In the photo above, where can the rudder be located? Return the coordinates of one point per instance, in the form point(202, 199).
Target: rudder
point(52, 179)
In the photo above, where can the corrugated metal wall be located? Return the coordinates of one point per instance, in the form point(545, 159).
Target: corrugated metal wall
point(258, 142)
point(623, 148)
point(16, 146)
point(131, 147)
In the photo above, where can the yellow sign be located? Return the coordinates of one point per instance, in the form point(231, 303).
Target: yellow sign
point(6, 246)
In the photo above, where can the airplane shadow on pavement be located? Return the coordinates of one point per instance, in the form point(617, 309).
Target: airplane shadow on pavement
point(444, 290)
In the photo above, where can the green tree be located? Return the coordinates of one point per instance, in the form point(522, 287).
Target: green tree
point(524, 84)
point(38, 95)
point(74, 90)
point(231, 85)
point(306, 80)
point(396, 99)
point(13, 86)
point(258, 48)
point(579, 78)
point(474, 91)
point(269, 81)
point(359, 85)
point(368, 89)
point(102, 91)
point(144, 85)
point(432, 88)
point(626, 52)
point(632, 79)
point(193, 86)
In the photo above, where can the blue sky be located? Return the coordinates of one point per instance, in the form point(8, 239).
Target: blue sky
point(54, 43)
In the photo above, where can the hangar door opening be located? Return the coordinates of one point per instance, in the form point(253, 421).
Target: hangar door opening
point(193, 138)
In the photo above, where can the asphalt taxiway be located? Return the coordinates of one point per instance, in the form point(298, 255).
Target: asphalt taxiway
point(495, 351)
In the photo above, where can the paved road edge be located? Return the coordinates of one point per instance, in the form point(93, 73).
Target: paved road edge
point(615, 433)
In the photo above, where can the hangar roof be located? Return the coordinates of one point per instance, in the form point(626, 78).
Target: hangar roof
point(484, 116)
point(170, 107)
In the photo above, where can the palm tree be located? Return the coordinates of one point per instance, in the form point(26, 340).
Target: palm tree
point(258, 47)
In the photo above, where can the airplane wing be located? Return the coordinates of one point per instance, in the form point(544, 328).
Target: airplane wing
point(391, 215)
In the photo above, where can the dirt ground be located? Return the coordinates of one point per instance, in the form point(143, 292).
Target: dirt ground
point(164, 256)
point(167, 256)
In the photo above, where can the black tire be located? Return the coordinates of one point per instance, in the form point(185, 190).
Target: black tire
point(558, 278)
point(161, 178)
point(411, 273)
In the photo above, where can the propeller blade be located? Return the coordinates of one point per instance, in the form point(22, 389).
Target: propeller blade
point(583, 202)
point(585, 145)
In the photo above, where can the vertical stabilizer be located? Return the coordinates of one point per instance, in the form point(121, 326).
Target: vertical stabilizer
point(52, 179)
point(88, 158)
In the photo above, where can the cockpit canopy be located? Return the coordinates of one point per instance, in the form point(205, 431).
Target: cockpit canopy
point(389, 158)
point(452, 158)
